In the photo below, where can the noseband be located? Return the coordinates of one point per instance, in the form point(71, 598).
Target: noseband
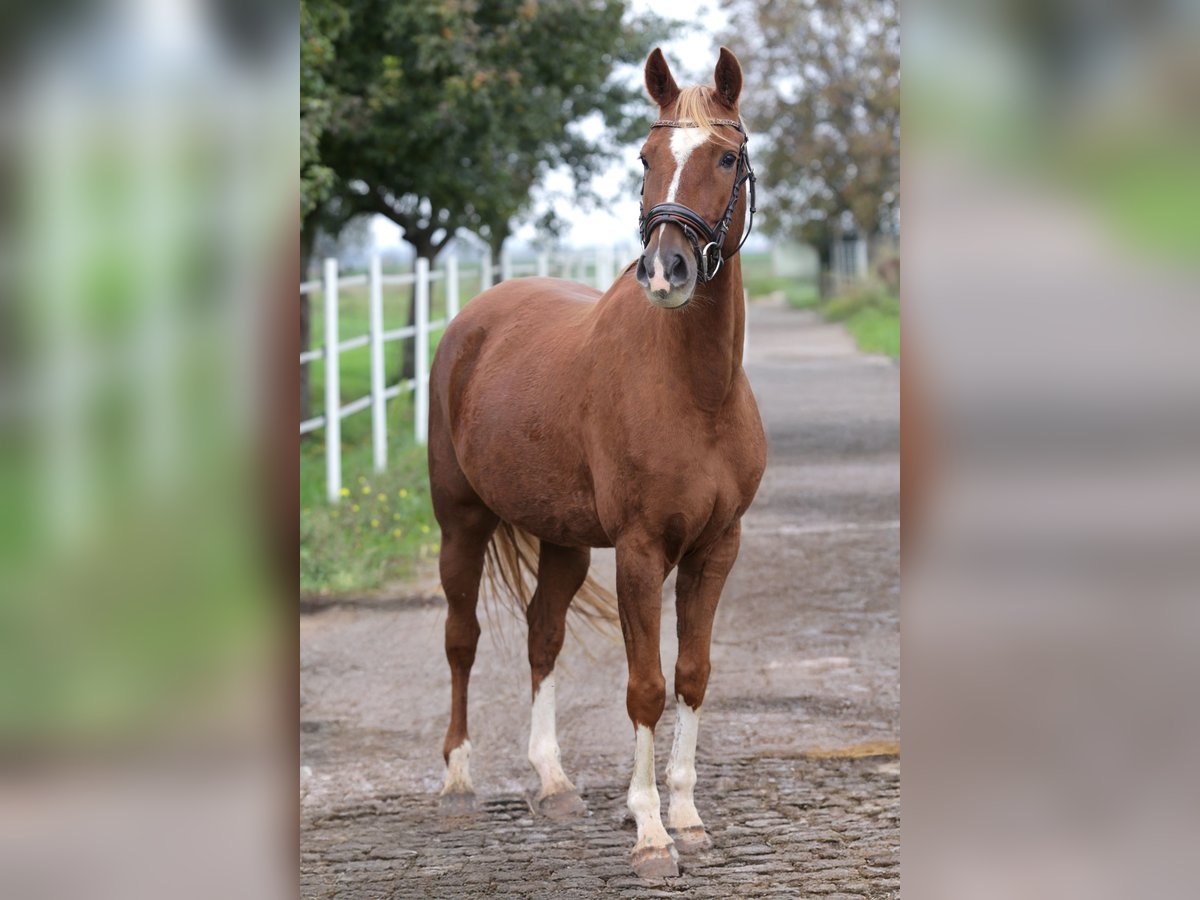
point(707, 242)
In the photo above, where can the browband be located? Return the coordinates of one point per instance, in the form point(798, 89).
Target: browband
point(688, 123)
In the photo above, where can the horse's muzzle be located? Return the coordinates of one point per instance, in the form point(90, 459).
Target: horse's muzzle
point(667, 273)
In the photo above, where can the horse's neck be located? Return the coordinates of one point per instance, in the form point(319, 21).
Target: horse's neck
point(697, 348)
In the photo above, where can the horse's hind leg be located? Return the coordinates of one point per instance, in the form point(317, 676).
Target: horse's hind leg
point(561, 571)
point(467, 526)
point(698, 588)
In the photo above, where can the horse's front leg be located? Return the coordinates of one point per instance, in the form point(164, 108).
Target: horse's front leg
point(697, 590)
point(641, 570)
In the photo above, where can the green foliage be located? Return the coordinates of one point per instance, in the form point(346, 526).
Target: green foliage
point(871, 313)
point(380, 531)
point(447, 113)
point(823, 81)
point(321, 21)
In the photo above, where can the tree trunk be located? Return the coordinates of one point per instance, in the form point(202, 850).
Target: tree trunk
point(308, 234)
point(496, 244)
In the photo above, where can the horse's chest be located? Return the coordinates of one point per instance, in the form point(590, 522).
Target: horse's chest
point(686, 490)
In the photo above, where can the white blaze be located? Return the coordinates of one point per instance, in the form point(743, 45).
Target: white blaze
point(458, 770)
point(681, 768)
point(683, 142)
point(658, 278)
point(543, 741)
point(643, 794)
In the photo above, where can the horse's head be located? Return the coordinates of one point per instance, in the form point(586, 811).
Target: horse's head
point(695, 160)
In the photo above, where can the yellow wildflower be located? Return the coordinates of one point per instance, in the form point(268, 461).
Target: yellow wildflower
point(345, 492)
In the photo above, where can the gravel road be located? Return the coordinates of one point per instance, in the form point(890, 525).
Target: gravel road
point(798, 755)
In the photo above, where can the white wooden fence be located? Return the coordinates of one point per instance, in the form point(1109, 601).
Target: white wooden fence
point(598, 269)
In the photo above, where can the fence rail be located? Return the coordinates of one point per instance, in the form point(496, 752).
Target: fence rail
point(598, 269)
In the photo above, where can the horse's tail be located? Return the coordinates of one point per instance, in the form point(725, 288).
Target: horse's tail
point(512, 561)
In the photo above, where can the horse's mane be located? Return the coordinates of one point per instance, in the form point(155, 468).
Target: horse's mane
point(693, 103)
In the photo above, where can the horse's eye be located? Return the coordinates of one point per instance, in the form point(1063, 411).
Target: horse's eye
point(642, 160)
point(728, 160)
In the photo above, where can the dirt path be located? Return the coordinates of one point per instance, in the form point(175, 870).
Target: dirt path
point(798, 773)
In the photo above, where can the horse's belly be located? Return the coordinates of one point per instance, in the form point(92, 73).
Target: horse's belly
point(545, 494)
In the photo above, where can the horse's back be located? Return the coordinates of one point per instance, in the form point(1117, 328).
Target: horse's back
point(517, 321)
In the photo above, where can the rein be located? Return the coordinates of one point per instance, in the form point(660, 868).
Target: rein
point(695, 227)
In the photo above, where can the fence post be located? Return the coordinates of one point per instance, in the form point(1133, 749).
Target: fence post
point(543, 264)
point(421, 374)
point(505, 265)
point(378, 402)
point(604, 267)
point(451, 286)
point(746, 325)
point(333, 419)
point(485, 270)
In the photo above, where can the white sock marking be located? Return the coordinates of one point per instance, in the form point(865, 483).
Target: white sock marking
point(543, 742)
point(681, 768)
point(458, 770)
point(643, 794)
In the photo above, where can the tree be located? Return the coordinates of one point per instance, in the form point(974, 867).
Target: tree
point(447, 113)
point(823, 83)
point(321, 21)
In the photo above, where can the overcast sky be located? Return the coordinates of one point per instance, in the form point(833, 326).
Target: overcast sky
point(692, 56)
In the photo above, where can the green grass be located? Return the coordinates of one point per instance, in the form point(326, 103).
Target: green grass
point(382, 528)
point(383, 525)
point(759, 279)
point(871, 313)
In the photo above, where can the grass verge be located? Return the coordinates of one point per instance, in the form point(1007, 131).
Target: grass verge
point(871, 313)
point(381, 528)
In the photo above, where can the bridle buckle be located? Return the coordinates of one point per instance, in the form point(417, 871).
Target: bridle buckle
point(710, 274)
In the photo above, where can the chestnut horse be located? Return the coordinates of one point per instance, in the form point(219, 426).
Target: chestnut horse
point(569, 420)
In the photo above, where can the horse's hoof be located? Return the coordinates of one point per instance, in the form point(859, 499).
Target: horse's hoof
point(560, 807)
point(655, 862)
point(457, 805)
point(691, 840)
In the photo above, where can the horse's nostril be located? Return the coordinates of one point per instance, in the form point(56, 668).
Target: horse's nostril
point(641, 276)
point(679, 272)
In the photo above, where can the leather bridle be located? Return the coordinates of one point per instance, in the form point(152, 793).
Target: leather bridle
point(695, 228)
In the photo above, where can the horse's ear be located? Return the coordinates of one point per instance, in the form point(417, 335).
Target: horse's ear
point(728, 78)
point(660, 84)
